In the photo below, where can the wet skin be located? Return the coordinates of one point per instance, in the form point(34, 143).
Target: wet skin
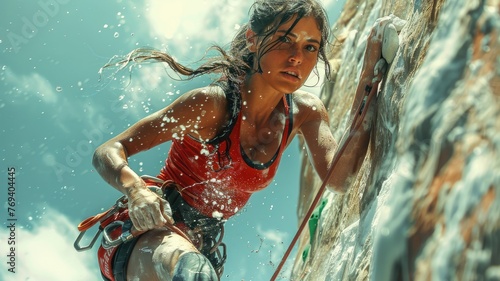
point(200, 113)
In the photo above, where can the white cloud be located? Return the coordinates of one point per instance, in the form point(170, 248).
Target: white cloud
point(275, 237)
point(46, 252)
point(33, 84)
point(205, 20)
point(213, 21)
point(274, 245)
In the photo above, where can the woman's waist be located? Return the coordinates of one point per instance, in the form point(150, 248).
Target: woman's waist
point(211, 198)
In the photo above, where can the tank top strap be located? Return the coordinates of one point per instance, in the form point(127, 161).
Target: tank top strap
point(288, 103)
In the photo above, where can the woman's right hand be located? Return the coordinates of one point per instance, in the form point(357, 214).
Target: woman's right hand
point(147, 210)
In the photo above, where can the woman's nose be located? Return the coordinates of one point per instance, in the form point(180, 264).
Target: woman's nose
point(296, 55)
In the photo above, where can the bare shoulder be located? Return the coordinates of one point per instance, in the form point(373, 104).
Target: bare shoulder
point(206, 107)
point(204, 101)
point(205, 96)
point(309, 107)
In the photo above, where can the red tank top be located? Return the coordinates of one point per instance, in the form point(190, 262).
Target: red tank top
point(215, 185)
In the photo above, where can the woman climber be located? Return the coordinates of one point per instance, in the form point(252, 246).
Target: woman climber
point(227, 140)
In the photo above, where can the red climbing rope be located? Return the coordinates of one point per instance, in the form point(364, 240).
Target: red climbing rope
point(358, 120)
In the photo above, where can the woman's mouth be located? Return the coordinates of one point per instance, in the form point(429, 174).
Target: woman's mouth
point(292, 75)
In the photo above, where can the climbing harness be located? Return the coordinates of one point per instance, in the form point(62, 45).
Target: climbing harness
point(204, 233)
point(389, 48)
point(105, 219)
point(110, 221)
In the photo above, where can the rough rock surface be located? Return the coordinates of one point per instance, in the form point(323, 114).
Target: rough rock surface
point(426, 203)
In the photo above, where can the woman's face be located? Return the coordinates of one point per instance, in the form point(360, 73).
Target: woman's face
point(288, 64)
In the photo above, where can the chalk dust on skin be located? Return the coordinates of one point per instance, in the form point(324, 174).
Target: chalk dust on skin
point(146, 250)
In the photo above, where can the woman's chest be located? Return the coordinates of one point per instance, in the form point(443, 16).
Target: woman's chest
point(260, 142)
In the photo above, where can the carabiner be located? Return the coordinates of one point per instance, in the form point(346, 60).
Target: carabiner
point(108, 242)
point(90, 245)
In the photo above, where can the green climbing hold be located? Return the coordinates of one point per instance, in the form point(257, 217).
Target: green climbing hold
point(305, 253)
point(313, 220)
point(313, 225)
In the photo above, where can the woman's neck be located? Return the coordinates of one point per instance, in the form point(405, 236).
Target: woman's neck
point(259, 100)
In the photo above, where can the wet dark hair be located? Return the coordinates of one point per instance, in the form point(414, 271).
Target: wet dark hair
point(266, 16)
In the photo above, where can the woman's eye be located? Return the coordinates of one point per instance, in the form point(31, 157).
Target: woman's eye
point(311, 48)
point(284, 39)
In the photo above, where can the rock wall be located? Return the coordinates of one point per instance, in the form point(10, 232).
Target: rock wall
point(426, 203)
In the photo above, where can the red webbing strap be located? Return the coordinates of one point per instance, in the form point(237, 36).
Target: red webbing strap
point(91, 221)
point(322, 188)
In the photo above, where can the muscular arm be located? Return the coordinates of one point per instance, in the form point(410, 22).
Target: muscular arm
point(199, 113)
point(322, 147)
point(317, 132)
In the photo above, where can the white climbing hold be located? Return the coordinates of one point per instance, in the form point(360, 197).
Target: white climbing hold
point(390, 43)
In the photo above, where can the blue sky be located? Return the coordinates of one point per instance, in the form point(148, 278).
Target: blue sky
point(55, 111)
